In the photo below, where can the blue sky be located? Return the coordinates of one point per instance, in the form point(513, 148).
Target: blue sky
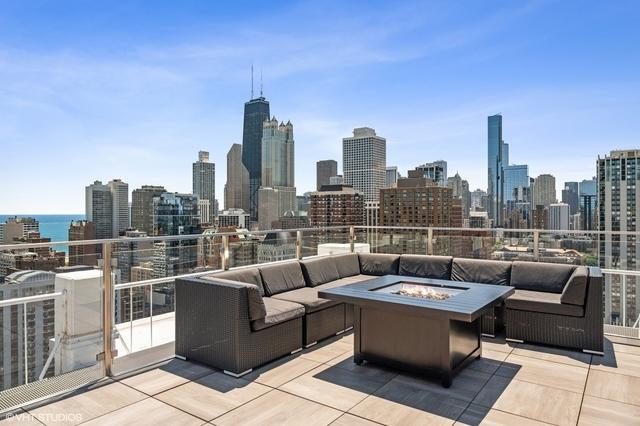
point(99, 90)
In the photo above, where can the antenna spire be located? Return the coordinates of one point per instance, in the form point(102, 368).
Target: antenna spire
point(260, 81)
point(251, 81)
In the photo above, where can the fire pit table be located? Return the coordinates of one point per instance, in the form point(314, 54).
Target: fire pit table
point(423, 325)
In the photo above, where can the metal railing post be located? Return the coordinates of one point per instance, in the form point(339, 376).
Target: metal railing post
point(430, 241)
point(536, 245)
point(623, 300)
point(352, 239)
point(107, 309)
point(225, 252)
point(299, 245)
point(26, 352)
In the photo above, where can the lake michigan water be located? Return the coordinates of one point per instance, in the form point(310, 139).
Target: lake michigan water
point(54, 226)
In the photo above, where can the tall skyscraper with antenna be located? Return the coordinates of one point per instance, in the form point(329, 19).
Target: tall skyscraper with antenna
point(256, 111)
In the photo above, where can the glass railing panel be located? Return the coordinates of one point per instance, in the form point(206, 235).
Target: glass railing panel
point(467, 243)
point(52, 320)
point(325, 241)
point(397, 240)
point(578, 248)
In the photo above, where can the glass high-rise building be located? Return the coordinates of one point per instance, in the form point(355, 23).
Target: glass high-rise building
point(364, 162)
point(256, 112)
point(516, 179)
point(278, 165)
point(204, 183)
point(495, 173)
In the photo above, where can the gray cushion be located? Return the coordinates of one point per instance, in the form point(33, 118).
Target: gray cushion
point(538, 301)
point(319, 270)
point(576, 289)
point(348, 264)
point(278, 311)
point(245, 275)
point(307, 297)
point(281, 277)
point(379, 264)
point(415, 265)
point(549, 277)
point(481, 271)
point(345, 281)
point(257, 309)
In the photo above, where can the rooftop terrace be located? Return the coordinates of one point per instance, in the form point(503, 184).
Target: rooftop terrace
point(511, 384)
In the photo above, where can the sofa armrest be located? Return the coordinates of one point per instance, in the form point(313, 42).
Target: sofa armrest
point(594, 306)
point(257, 308)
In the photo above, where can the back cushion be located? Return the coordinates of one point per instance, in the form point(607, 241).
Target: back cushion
point(247, 275)
point(379, 264)
point(347, 265)
point(575, 291)
point(319, 271)
point(481, 271)
point(547, 277)
point(282, 277)
point(414, 265)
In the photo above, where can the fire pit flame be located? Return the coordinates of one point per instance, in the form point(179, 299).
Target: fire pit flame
point(422, 292)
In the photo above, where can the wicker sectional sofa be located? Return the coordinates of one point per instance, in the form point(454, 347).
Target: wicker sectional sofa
point(237, 320)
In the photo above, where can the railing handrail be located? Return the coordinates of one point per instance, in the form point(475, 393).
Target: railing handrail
point(31, 299)
point(621, 272)
point(510, 230)
point(159, 238)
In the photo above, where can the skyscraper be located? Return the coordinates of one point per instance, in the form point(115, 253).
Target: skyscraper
point(544, 190)
point(256, 112)
point(236, 190)
point(618, 195)
point(570, 196)
point(460, 190)
point(587, 192)
point(336, 205)
point(278, 165)
point(495, 173)
point(435, 172)
point(120, 205)
point(364, 157)
point(99, 208)
point(516, 179)
point(142, 207)
point(204, 182)
point(559, 216)
point(325, 169)
point(391, 176)
point(82, 255)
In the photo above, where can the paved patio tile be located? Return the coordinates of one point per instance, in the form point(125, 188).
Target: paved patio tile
point(553, 374)
point(148, 412)
point(325, 352)
point(167, 376)
point(279, 408)
point(616, 387)
point(212, 395)
point(596, 411)
point(477, 415)
point(562, 356)
point(277, 373)
point(407, 400)
point(525, 399)
point(98, 400)
point(338, 387)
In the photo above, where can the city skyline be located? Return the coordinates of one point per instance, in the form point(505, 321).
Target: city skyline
point(138, 105)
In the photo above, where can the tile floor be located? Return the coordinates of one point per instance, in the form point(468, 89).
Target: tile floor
point(513, 384)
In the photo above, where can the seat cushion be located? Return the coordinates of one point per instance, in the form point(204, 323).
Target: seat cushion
point(539, 301)
point(548, 277)
point(575, 291)
point(282, 277)
point(481, 271)
point(244, 275)
point(307, 297)
point(379, 264)
point(414, 265)
point(257, 309)
point(278, 311)
point(348, 264)
point(346, 281)
point(319, 270)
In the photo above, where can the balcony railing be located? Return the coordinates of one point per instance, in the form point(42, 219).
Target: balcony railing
point(114, 311)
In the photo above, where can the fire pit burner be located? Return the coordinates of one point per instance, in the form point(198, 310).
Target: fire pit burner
point(421, 291)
